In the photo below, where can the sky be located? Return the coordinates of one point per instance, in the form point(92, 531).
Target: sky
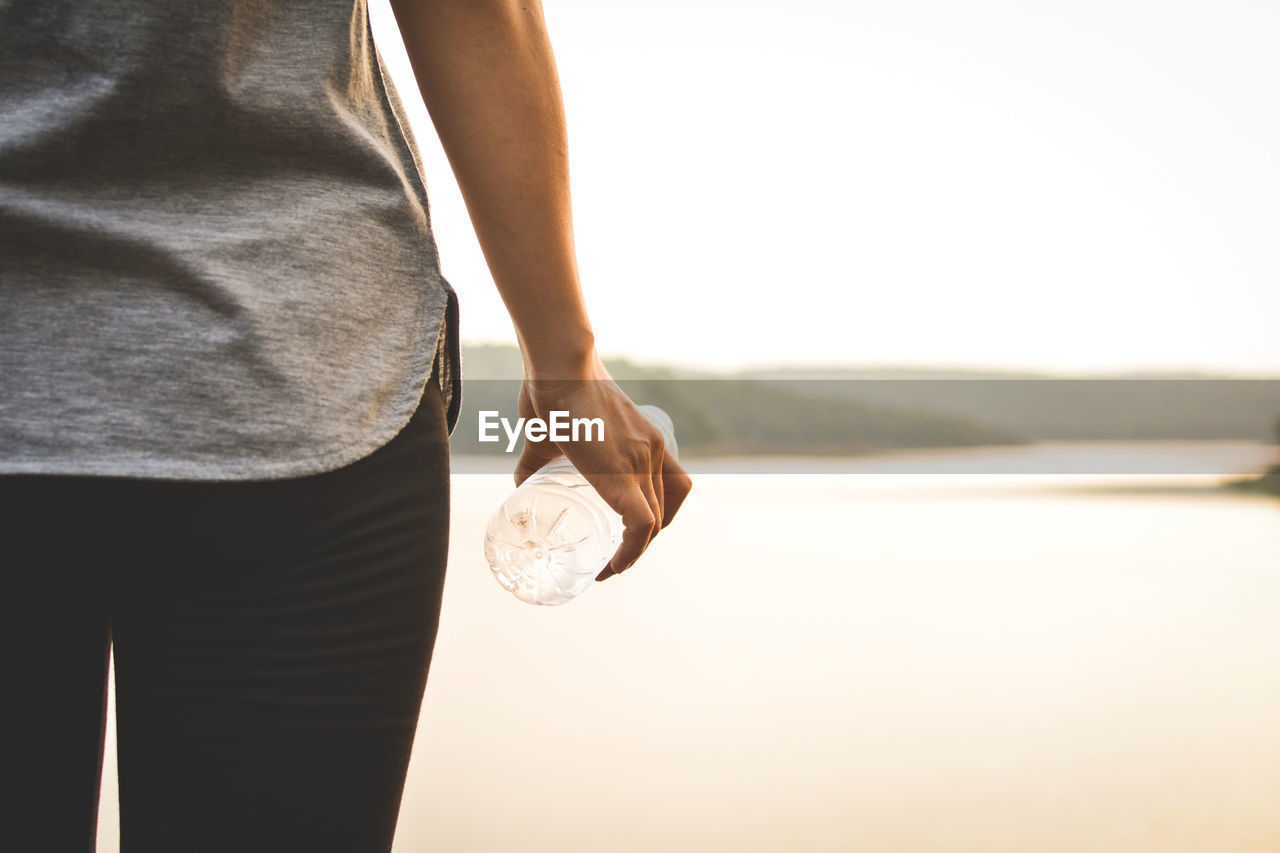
point(1085, 186)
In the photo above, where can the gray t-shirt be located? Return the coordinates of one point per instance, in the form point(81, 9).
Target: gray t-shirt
point(216, 259)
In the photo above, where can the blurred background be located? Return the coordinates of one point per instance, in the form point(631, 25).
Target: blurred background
point(917, 648)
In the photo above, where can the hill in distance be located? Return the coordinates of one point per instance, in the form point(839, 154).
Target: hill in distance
point(852, 410)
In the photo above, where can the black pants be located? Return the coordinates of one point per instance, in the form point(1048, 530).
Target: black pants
point(271, 646)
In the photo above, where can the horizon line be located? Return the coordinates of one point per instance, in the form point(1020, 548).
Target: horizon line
point(1272, 373)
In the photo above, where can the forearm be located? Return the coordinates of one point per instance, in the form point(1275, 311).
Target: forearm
point(488, 77)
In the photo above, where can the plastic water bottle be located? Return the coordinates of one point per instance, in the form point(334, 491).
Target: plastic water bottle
point(554, 534)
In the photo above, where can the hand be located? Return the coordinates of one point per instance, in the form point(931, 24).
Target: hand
point(629, 468)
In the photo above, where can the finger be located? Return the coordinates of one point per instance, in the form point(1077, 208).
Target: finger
point(638, 523)
point(659, 460)
point(652, 488)
point(533, 457)
point(534, 454)
point(651, 498)
point(676, 485)
point(524, 470)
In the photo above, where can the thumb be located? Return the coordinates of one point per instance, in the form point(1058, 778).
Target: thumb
point(534, 455)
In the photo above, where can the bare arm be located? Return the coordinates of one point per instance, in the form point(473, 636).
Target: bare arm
point(489, 80)
point(488, 77)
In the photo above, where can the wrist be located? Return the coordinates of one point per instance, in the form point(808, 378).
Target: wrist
point(565, 354)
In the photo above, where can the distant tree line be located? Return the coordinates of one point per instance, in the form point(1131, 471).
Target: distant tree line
point(854, 411)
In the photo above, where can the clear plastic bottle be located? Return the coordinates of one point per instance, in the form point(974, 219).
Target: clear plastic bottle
point(554, 534)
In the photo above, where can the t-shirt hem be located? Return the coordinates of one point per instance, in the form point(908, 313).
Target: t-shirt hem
point(438, 362)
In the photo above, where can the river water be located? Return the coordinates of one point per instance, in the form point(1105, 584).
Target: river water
point(872, 662)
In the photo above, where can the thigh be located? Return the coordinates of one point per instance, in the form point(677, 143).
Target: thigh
point(272, 644)
point(54, 646)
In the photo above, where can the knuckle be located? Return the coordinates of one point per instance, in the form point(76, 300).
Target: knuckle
point(643, 522)
point(637, 453)
point(637, 510)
